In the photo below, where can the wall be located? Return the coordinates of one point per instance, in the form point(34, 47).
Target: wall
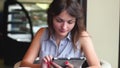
point(103, 25)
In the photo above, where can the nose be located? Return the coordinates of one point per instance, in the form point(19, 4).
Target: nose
point(64, 26)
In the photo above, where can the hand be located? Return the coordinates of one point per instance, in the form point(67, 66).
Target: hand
point(55, 65)
point(68, 65)
point(47, 59)
point(46, 62)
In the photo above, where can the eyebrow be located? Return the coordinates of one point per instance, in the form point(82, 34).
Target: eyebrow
point(65, 20)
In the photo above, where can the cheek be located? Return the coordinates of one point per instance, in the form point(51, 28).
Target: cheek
point(72, 26)
point(55, 25)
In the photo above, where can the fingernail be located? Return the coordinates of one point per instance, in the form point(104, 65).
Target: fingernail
point(66, 62)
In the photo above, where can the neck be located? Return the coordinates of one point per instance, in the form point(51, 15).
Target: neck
point(58, 39)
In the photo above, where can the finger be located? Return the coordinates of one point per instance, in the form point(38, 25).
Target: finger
point(69, 65)
point(48, 58)
point(45, 60)
point(55, 65)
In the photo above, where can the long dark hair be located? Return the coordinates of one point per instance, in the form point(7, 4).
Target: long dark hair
point(73, 8)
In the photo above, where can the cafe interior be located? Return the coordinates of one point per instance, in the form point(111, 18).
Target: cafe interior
point(21, 19)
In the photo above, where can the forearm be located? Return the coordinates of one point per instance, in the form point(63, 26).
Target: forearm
point(93, 67)
point(23, 64)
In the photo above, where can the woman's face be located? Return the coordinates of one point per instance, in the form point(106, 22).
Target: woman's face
point(63, 24)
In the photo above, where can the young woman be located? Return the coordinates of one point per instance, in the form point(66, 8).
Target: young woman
point(64, 37)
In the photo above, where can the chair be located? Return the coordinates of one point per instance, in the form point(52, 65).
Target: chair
point(104, 64)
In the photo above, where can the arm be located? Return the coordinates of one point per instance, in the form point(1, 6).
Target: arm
point(88, 49)
point(32, 51)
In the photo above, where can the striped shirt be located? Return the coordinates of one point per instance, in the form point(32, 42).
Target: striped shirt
point(64, 50)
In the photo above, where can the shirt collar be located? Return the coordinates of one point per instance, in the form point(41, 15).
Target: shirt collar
point(52, 37)
point(69, 36)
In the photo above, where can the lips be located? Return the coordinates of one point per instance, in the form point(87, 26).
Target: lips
point(63, 31)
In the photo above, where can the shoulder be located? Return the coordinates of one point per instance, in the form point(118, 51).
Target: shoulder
point(40, 31)
point(84, 34)
point(39, 34)
point(85, 38)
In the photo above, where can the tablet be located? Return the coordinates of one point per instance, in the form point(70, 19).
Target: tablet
point(77, 62)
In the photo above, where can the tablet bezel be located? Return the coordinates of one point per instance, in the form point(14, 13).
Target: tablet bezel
point(77, 62)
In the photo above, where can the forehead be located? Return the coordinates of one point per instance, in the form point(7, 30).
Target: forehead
point(65, 15)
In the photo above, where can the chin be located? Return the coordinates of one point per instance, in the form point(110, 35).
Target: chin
point(63, 34)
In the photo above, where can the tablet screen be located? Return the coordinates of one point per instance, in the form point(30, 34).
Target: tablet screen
point(77, 62)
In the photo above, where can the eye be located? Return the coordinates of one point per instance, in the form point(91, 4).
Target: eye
point(71, 21)
point(59, 20)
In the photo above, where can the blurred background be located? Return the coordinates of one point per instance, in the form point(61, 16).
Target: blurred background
point(19, 21)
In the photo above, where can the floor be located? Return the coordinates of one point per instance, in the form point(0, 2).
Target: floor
point(2, 64)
